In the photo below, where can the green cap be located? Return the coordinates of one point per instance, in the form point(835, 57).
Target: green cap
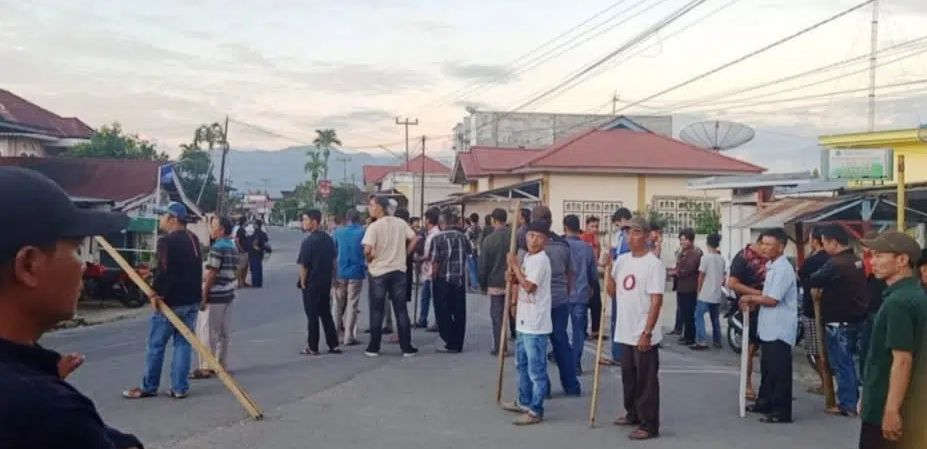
point(895, 242)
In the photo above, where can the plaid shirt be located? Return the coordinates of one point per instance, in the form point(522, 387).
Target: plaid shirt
point(448, 252)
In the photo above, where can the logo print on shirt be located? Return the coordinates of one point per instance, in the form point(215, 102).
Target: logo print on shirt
point(629, 282)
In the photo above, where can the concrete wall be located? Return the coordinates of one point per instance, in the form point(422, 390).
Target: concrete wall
point(437, 187)
point(19, 146)
point(593, 191)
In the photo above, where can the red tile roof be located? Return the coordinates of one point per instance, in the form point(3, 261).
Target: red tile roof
point(375, 173)
point(633, 151)
point(15, 109)
point(112, 179)
point(481, 161)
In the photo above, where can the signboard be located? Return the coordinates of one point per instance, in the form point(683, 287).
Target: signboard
point(325, 188)
point(876, 164)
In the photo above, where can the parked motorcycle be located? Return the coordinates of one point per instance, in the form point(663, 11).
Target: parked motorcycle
point(735, 322)
point(104, 283)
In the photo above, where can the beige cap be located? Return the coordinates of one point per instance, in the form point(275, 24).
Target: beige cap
point(895, 242)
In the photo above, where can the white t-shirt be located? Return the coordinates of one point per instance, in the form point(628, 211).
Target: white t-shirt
point(637, 278)
point(712, 265)
point(533, 315)
point(389, 238)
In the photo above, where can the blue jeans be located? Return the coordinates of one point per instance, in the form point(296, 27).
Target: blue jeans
point(713, 312)
point(841, 347)
point(563, 351)
point(426, 300)
point(578, 321)
point(471, 268)
point(257, 269)
point(531, 362)
point(616, 347)
point(160, 331)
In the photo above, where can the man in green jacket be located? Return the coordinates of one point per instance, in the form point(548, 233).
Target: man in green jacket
point(492, 269)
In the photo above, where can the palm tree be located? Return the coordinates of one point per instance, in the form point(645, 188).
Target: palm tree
point(210, 134)
point(324, 140)
point(315, 168)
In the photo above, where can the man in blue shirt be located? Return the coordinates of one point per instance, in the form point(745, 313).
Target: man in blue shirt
point(777, 329)
point(350, 277)
point(621, 219)
point(586, 279)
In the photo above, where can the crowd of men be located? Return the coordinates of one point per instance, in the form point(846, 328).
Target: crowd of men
point(874, 308)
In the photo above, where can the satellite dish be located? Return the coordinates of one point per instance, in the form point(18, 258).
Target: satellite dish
point(717, 135)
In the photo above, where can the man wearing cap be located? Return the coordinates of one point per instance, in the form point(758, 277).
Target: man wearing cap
point(637, 281)
point(620, 219)
point(178, 284)
point(897, 340)
point(40, 282)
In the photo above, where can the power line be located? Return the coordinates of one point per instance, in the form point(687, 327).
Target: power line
point(751, 54)
point(306, 142)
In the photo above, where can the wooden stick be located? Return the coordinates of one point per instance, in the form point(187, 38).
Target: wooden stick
point(744, 361)
point(594, 403)
point(503, 339)
point(224, 376)
point(830, 399)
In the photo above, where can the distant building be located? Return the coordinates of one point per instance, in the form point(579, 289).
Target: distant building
point(405, 182)
point(500, 129)
point(28, 130)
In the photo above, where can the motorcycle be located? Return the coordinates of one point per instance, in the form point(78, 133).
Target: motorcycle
point(735, 322)
point(102, 283)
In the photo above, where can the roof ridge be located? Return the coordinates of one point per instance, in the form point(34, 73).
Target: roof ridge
point(711, 152)
point(555, 147)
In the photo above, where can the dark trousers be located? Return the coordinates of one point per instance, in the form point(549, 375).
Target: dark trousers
point(391, 285)
point(563, 351)
point(317, 303)
point(775, 398)
point(451, 312)
point(256, 261)
point(870, 437)
point(497, 310)
point(595, 309)
point(641, 386)
point(685, 314)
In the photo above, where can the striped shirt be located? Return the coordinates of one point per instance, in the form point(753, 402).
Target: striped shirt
point(223, 256)
point(448, 253)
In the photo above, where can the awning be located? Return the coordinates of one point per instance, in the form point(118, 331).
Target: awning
point(528, 192)
point(776, 214)
point(143, 225)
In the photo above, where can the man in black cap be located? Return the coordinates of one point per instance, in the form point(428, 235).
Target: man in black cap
point(40, 282)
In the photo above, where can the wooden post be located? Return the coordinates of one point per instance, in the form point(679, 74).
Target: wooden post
point(744, 361)
point(224, 376)
point(594, 403)
point(503, 340)
point(830, 399)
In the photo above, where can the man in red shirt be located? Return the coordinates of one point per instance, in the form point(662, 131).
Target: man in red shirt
point(591, 236)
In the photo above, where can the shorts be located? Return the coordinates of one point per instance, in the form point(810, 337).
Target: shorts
point(810, 342)
point(243, 261)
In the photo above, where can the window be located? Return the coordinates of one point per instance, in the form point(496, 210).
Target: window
point(601, 209)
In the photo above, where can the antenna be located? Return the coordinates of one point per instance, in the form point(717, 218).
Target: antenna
point(718, 135)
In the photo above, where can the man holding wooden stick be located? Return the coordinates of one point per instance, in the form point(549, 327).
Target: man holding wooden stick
point(40, 282)
point(178, 285)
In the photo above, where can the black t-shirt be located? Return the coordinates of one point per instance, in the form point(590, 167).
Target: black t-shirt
point(179, 276)
point(317, 254)
point(811, 265)
point(242, 239)
point(38, 410)
point(258, 242)
point(747, 275)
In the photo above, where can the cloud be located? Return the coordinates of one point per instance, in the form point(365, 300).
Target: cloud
point(355, 118)
point(478, 72)
point(357, 78)
point(246, 54)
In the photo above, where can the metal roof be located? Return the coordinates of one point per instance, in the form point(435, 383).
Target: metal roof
point(776, 214)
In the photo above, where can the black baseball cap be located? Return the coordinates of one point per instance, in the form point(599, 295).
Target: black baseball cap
point(38, 212)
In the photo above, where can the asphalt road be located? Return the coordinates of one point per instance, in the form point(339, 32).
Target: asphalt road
point(430, 401)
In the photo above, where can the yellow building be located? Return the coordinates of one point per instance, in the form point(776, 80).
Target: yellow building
point(910, 143)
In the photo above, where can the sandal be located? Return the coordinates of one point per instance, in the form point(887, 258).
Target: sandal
point(625, 421)
point(201, 374)
point(175, 395)
point(137, 393)
point(307, 351)
point(641, 434)
point(754, 409)
point(608, 362)
point(769, 419)
point(837, 411)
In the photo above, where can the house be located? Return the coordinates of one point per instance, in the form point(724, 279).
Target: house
point(871, 157)
point(405, 182)
point(596, 172)
point(28, 130)
point(504, 129)
point(133, 187)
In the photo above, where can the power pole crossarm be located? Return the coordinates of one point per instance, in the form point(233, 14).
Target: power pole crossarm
point(344, 163)
point(407, 123)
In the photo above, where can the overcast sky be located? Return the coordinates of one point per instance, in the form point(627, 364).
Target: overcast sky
point(164, 67)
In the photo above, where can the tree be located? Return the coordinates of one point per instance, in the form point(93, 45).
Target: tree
point(209, 134)
point(110, 142)
point(707, 221)
point(196, 177)
point(341, 199)
point(323, 142)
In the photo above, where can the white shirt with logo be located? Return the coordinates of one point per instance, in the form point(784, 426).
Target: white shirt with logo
point(533, 314)
point(636, 278)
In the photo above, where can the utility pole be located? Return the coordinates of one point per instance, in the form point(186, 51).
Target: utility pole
point(873, 55)
point(407, 123)
point(421, 198)
point(615, 102)
point(225, 151)
point(344, 163)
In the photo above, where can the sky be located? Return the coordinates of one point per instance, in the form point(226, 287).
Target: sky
point(281, 69)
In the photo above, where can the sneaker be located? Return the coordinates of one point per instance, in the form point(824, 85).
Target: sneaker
point(527, 419)
point(371, 354)
point(411, 353)
point(446, 350)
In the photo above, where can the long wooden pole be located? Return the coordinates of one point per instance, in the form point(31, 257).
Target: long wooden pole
point(503, 339)
point(594, 403)
point(744, 362)
point(827, 379)
point(204, 353)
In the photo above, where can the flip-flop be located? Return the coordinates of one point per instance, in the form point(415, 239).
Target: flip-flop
point(137, 393)
point(307, 351)
point(641, 434)
point(201, 375)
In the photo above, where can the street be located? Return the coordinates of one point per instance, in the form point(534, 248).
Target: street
point(429, 401)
